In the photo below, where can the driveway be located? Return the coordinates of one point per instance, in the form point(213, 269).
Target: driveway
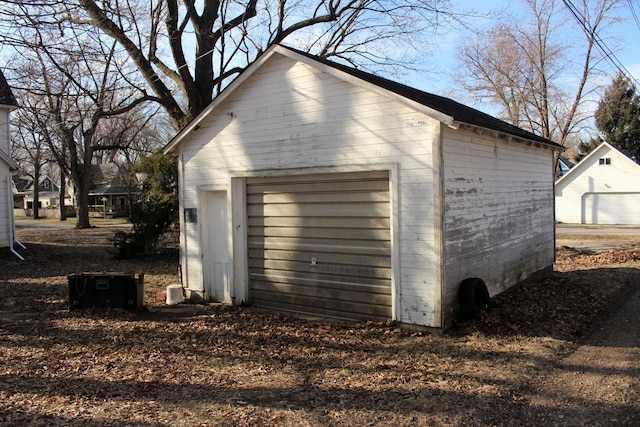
point(597, 238)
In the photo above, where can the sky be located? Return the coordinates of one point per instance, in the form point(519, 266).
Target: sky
point(623, 36)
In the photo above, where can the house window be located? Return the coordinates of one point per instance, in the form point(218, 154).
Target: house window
point(605, 161)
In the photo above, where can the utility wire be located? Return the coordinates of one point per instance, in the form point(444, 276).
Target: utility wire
point(633, 12)
point(609, 55)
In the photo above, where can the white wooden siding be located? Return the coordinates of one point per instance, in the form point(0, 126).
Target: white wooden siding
point(574, 191)
point(5, 144)
point(498, 211)
point(290, 116)
point(5, 213)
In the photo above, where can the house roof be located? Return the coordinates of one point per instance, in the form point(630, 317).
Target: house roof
point(6, 95)
point(582, 164)
point(446, 110)
point(13, 166)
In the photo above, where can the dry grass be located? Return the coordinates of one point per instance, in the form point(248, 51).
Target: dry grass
point(213, 365)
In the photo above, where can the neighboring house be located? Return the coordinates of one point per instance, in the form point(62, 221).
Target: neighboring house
point(603, 188)
point(113, 188)
point(564, 166)
point(315, 188)
point(20, 186)
point(48, 194)
point(48, 198)
point(7, 166)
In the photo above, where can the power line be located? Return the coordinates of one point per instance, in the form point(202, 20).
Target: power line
point(633, 12)
point(608, 53)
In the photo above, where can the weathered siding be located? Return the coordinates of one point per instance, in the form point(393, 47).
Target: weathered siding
point(5, 188)
point(498, 211)
point(4, 130)
point(292, 116)
point(589, 178)
point(5, 209)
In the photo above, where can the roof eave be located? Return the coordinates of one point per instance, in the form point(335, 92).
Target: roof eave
point(13, 166)
point(509, 137)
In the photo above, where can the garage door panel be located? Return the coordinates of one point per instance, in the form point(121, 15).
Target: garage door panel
point(376, 284)
point(359, 210)
point(382, 196)
point(324, 271)
point(327, 258)
point(321, 308)
point(380, 223)
point(325, 233)
point(611, 208)
point(346, 293)
point(321, 244)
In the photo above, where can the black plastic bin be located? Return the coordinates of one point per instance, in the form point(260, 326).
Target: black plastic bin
point(106, 289)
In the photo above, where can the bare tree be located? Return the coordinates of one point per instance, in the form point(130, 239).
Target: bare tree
point(186, 51)
point(85, 100)
point(28, 146)
point(531, 73)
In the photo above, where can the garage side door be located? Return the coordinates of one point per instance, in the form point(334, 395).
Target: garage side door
point(611, 208)
point(320, 244)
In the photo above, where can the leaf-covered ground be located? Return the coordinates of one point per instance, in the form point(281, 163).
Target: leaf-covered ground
point(214, 365)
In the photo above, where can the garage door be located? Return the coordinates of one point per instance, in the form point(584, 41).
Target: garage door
point(611, 208)
point(320, 244)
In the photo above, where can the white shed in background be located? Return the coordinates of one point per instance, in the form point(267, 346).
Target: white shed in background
point(311, 187)
point(603, 188)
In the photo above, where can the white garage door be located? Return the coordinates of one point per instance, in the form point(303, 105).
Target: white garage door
point(320, 244)
point(611, 208)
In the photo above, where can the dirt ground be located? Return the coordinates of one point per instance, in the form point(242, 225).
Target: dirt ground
point(563, 351)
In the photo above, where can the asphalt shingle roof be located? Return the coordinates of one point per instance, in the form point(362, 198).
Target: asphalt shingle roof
point(6, 95)
point(458, 111)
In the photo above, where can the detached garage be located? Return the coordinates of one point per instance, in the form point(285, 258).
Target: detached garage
point(314, 188)
point(603, 188)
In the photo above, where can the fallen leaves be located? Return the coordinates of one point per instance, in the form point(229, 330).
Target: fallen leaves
point(214, 365)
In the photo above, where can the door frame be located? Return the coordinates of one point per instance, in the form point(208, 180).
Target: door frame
point(238, 217)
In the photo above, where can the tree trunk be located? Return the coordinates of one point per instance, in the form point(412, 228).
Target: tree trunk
point(83, 208)
point(36, 194)
point(63, 190)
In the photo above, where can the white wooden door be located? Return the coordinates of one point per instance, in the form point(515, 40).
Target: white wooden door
point(215, 243)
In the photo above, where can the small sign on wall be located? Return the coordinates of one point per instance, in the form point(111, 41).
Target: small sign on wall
point(191, 215)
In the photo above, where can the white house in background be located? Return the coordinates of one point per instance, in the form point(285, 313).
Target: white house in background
point(312, 187)
point(603, 188)
point(7, 166)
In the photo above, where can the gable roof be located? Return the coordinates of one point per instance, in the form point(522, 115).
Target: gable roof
point(13, 166)
point(6, 95)
point(582, 164)
point(446, 110)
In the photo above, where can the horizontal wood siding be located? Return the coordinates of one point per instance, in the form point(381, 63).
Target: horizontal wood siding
point(498, 212)
point(340, 221)
point(290, 116)
point(5, 209)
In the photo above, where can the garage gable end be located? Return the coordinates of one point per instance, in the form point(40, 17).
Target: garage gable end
point(444, 110)
point(603, 188)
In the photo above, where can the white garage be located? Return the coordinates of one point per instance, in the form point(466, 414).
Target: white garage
point(611, 208)
point(601, 189)
point(313, 188)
